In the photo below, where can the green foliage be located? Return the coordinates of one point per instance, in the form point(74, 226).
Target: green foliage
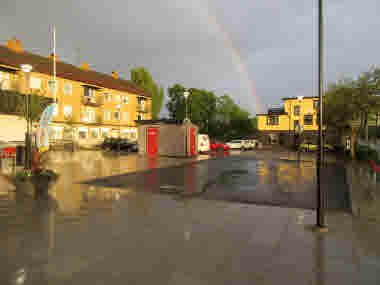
point(219, 117)
point(365, 153)
point(142, 78)
point(254, 123)
point(13, 102)
point(176, 102)
point(23, 175)
point(352, 100)
point(49, 174)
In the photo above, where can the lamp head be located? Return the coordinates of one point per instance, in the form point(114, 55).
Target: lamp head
point(26, 68)
point(186, 94)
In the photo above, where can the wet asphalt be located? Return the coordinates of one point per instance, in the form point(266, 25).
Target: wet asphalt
point(133, 220)
point(242, 179)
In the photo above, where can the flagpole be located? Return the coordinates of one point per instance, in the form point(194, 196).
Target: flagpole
point(54, 67)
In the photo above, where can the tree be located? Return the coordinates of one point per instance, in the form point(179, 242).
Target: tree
point(219, 117)
point(142, 78)
point(254, 122)
point(13, 102)
point(201, 106)
point(350, 104)
point(176, 102)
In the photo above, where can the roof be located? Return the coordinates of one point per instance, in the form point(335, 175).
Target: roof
point(277, 111)
point(305, 97)
point(44, 65)
point(280, 114)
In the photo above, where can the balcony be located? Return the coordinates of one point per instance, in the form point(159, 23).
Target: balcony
point(92, 101)
point(142, 109)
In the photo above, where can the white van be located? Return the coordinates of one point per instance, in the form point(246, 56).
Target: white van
point(237, 144)
point(203, 143)
point(252, 143)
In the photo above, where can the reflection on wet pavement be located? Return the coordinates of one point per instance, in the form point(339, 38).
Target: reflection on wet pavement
point(96, 234)
point(239, 179)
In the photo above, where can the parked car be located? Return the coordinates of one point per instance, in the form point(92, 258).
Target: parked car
point(217, 146)
point(250, 144)
point(305, 147)
point(203, 143)
point(238, 144)
point(116, 144)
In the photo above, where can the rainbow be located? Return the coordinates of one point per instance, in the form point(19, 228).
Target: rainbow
point(240, 65)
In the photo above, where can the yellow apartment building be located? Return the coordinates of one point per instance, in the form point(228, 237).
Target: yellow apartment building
point(279, 124)
point(95, 105)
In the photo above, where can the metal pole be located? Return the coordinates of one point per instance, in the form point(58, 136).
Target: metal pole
point(54, 67)
point(321, 195)
point(186, 109)
point(27, 138)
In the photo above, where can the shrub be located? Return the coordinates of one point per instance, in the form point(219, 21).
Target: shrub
point(23, 175)
point(366, 153)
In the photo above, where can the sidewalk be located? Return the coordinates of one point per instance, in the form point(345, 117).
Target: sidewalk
point(86, 234)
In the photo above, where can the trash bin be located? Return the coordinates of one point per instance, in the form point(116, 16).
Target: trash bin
point(20, 155)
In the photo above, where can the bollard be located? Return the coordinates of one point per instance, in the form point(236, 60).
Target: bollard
point(20, 155)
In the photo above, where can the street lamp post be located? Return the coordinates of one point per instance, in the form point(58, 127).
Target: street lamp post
point(298, 130)
point(27, 68)
point(321, 193)
point(186, 94)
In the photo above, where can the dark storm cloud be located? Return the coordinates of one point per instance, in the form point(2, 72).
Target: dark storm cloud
point(221, 45)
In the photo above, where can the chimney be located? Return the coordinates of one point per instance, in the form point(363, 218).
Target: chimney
point(51, 56)
point(14, 44)
point(115, 74)
point(85, 66)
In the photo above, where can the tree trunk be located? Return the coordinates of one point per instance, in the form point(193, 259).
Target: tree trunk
point(366, 127)
point(353, 143)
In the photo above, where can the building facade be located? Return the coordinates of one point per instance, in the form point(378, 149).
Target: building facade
point(280, 125)
point(90, 105)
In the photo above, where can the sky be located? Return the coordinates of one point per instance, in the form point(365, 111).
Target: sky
point(256, 51)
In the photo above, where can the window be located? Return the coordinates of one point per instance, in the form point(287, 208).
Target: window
point(55, 111)
point(297, 110)
point(35, 83)
point(89, 92)
point(94, 133)
point(88, 116)
point(296, 124)
point(139, 117)
point(105, 132)
point(125, 99)
point(133, 135)
point(125, 116)
point(82, 133)
point(55, 133)
point(116, 116)
point(308, 120)
point(107, 115)
point(272, 120)
point(67, 88)
point(108, 97)
point(141, 103)
point(117, 98)
point(316, 104)
point(4, 80)
point(67, 111)
point(52, 86)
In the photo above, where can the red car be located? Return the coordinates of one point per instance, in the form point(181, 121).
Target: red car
point(215, 146)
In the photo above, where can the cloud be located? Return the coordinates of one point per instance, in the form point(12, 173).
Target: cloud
point(236, 47)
